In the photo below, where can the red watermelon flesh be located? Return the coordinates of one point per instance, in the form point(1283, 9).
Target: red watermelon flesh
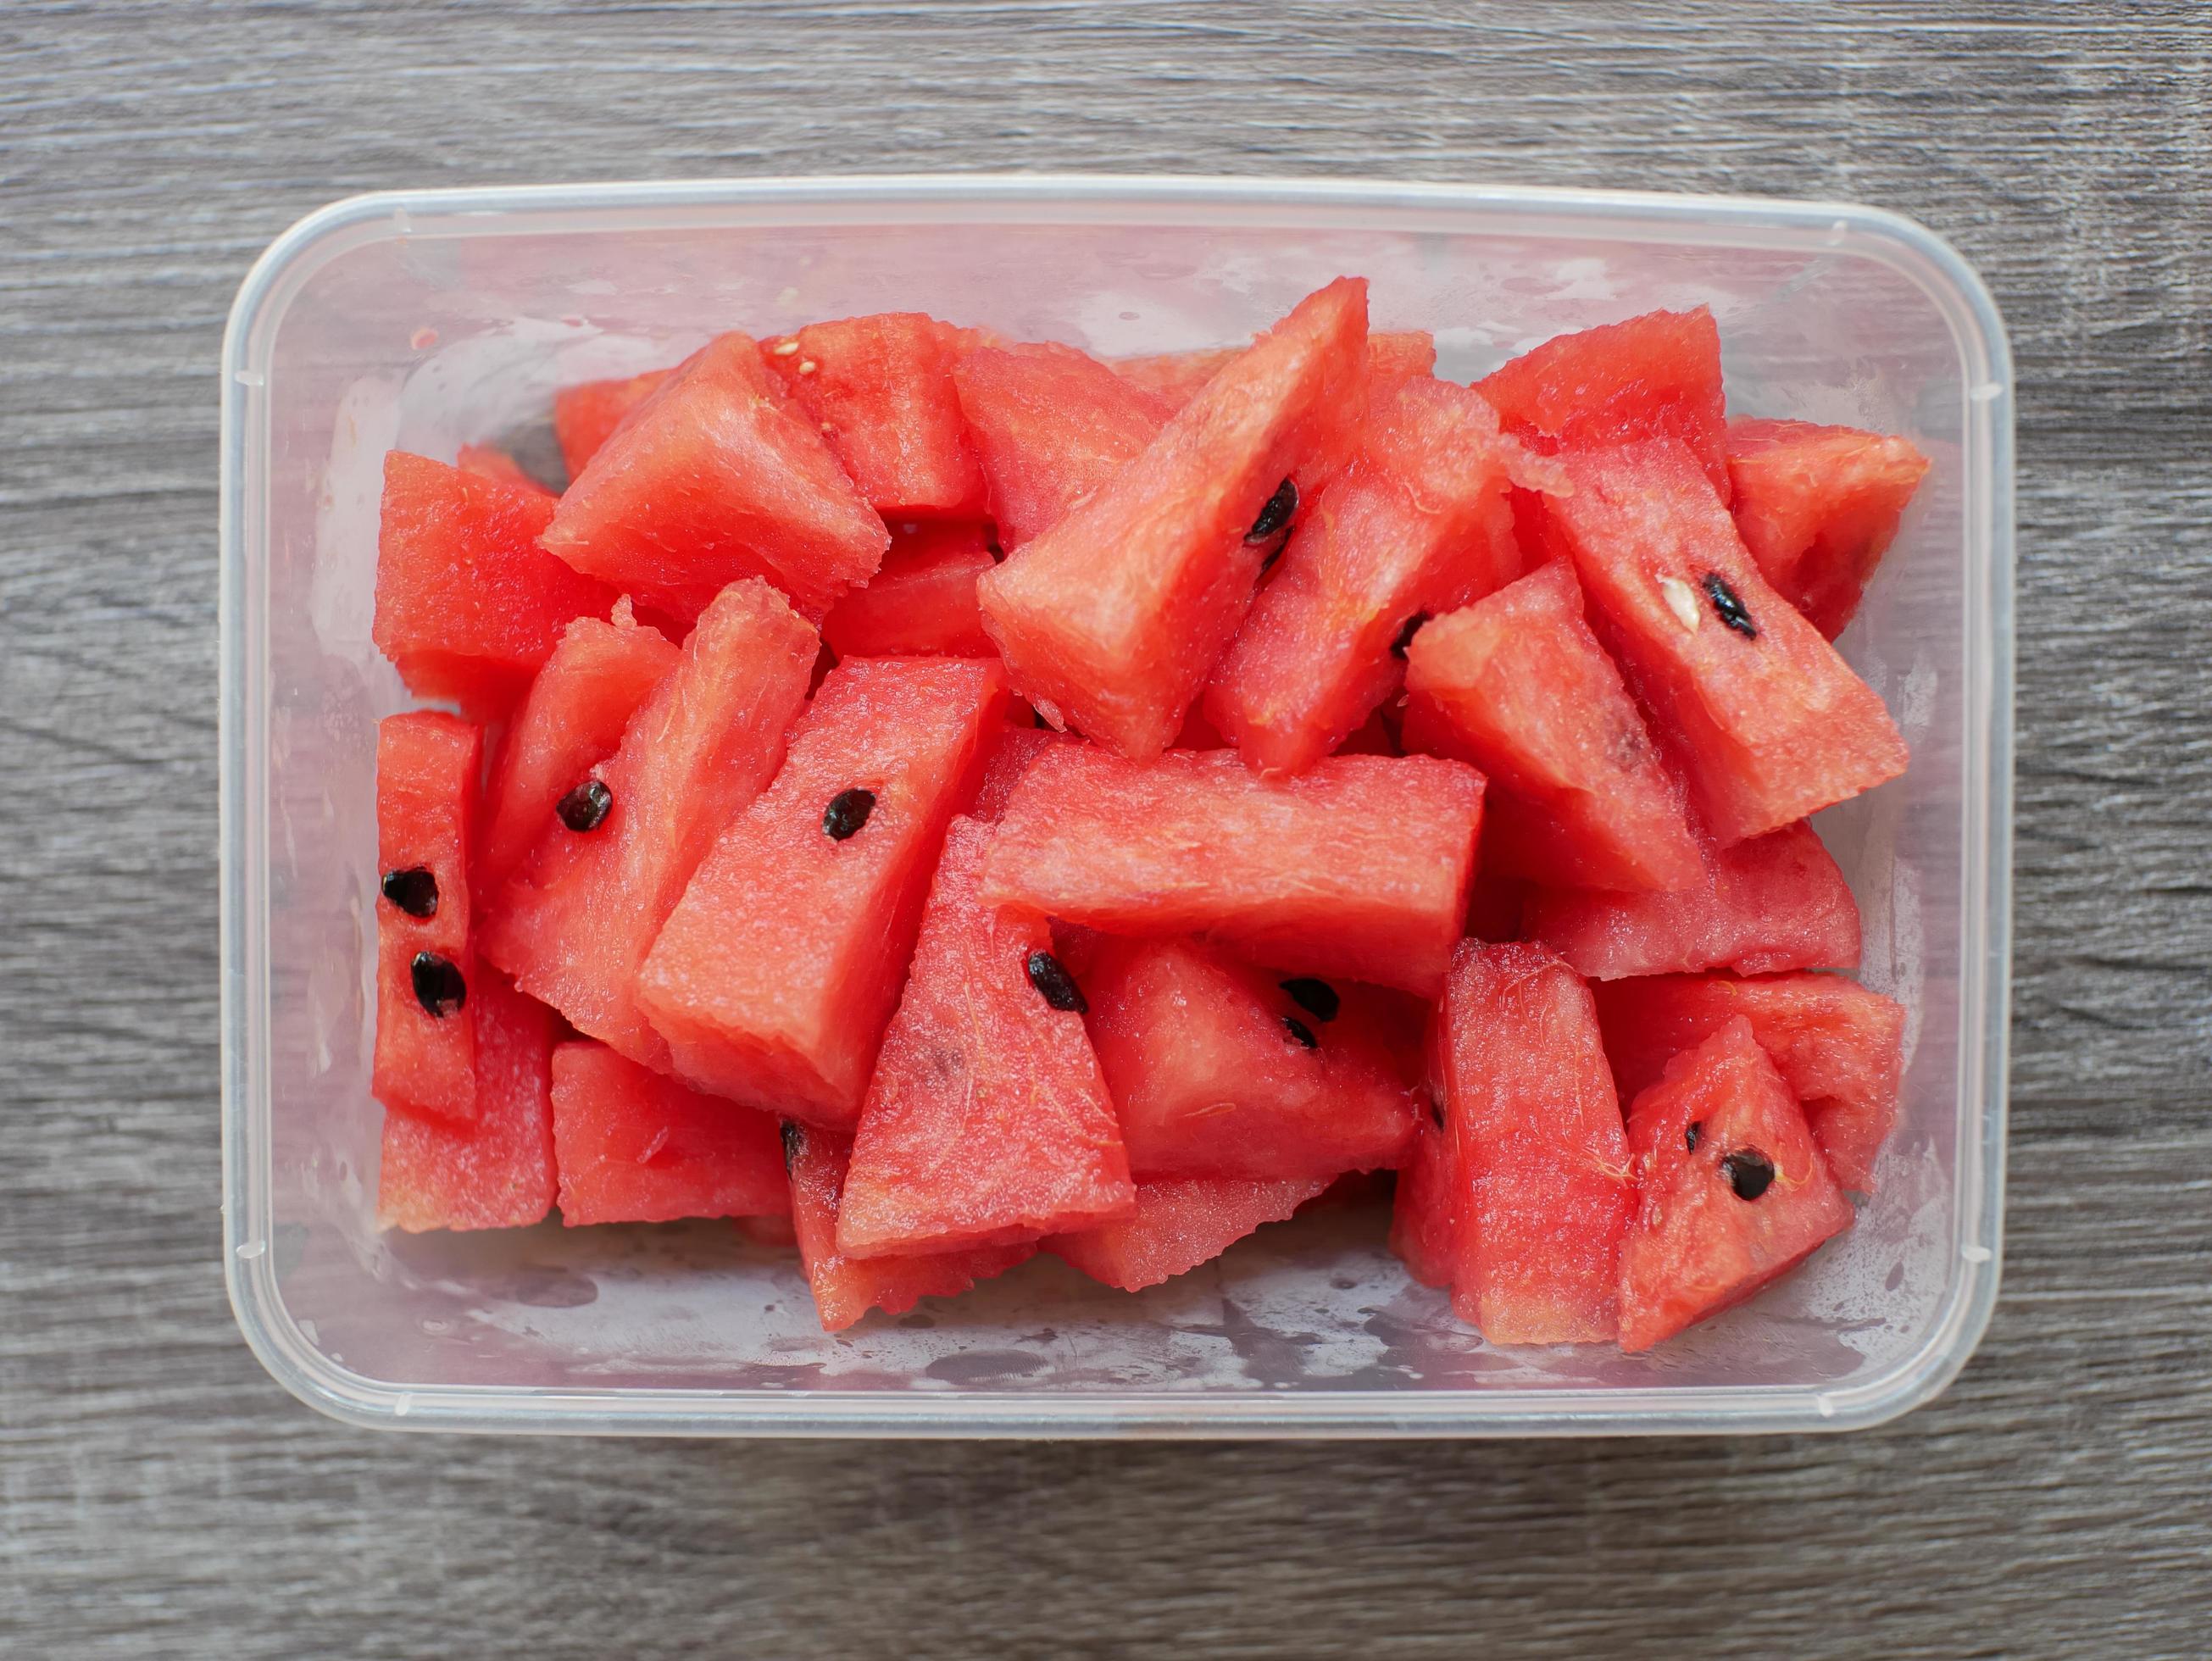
point(1013, 752)
point(1657, 375)
point(1818, 508)
point(584, 417)
point(571, 720)
point(1766, 721)
point(1418, 524)
point(489, 461)
point(986, 1122)
point(1050, 425)
point(1732, 1190)
point(1356, 870)
point(1178, 1223)
point(1772, 903)
point(845, 1288)
point(1220, 1070)
point(468, 606)
point(1518, 685)
point(636, 1147)
point(774, 977)
point(1425, 1212)
point(777, 1233)
point(1393, 354)
point(1494, 904)
point(712, 479)
point(427, 768)
point(1839, 1046)
point(574, 928)
point(1112, 618)
point(922, 602)
point(497, 1172)
point(1542, 1158)
point(879, 389)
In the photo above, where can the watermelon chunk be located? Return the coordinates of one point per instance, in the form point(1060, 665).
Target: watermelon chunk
point(1733, 1192)
point(845, 1288)
point(879, 389)
point(575, 927)
point(774, 975)
point(1220, 1070)
point(1540, 1153)
point(1425, 1212)
point(571, 721)
point(636, 1147)
point(922, 602)
point(1418, 524)
point(1775, 903)
point(1050, 425)
point(1112, 618)
point(584, 417)
point(1657, 375)
point(489, 461)
point(1518, 685)
point(468, 606)
point(712, 479)
point(1768, 723)
point(986, 1122)
point(1013, 753)
point(427, 768)
point(1817, 506)
point(1179, 1223)
point(1838, 1045)
point(497, 1171)
point(1357, 870)
point(1393, 354)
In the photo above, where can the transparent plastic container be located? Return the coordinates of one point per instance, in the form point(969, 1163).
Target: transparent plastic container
point(425, 320)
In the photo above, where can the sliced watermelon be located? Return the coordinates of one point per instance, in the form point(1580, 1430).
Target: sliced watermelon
point(986, 1122)
point(1050, 425)
point(879, 389)
point(1657, 375)
point(1418, 524)
point(922, 602)
point(571, 721)
point(468, 606)
point(1767, 723)
point(584, 417)
point(1220, 1070)
point(575, 927)
point(1393, 354)
point(1178, 1223)
point(1013, 752)
point(1494, 904)
point(1111, 619)
point(845, 1288)
point(1424, 1213)
point(1775, 903)
point(1541, 1152)
point(636, 1147)
point(1817, 506)
point(712, 479)
point(1357, 870)
point(489, 461)
point(1732, 1193)
point(497, 1171)
point(774, 977)
point(1839, 1046)
point(1518, 685)
point(427, 768)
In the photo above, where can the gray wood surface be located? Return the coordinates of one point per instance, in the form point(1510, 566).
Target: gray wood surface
point(159, 1497)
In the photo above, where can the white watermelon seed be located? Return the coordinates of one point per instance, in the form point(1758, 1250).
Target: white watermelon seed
point(1682, 600)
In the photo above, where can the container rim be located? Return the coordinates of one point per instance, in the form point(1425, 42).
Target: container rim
point(1905, 246)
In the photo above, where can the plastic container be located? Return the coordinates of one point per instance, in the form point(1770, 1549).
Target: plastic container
point(424, 319)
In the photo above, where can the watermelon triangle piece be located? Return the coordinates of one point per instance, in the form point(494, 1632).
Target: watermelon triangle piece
point(1425, 1212)
point(1175, 378)
point(1732, 1190)
point(584, 417)
point(986, 1122)
point(1179, 1223)
point(634, 1146)
point(922, 602)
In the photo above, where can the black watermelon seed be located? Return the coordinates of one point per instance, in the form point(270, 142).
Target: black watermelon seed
point(1749, 1172)
point(1273, 554)
point(1727, 608)
point(1277, 512)
point(585, 808)
point(1691, 1132)
point(414, 891)
point(1317, 997)
point(439, 986)
point(1406, 634)
point(1298, 1030)
point(794, 1143)
point(847, 812)
point(1054, 984)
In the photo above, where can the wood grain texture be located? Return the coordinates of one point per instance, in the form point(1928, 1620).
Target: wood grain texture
point(159, 1497)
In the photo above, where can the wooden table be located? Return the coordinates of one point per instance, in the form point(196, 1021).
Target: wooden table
point(159, 1497)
